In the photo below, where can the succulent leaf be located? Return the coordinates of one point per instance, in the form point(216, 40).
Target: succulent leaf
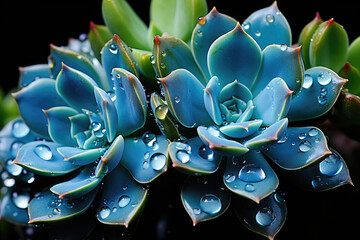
point(171, 53)
point(211, 100)
point(177, 17)
point(265, 218)
point(353, 75)
point(122, 198)
point(31, 73)
point(194, 157)
point(241, 129)
point(305, 38)
point(13, 207)
point(130, 102)
point(319, 92)
point(298, 147)
point(214, 139)
point(32, 99)
point(79, 123)
point(48, 207)
point(234, 56)
point(121, 19)
point(289, 59)
point(268, 26)
point(79, 156)
point(329, 46)
point(273, 103)
point(59, 125)
point(354, 53)
point(204, 198)
point(146, 158)
point(146, 70)
point(98, 36)
point(346, 112)
point(208, 29)
point(190, 94)
point(42, 157)
point(83, 183)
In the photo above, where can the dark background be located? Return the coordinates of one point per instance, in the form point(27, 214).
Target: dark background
point(27, 29)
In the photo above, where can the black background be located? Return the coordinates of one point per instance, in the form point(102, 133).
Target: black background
point(27, 29)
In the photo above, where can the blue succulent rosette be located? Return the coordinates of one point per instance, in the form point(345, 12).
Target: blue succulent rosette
point(79, 134)
point(241, 87)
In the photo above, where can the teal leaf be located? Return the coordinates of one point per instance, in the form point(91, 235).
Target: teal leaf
point(265, 218)
point(79, 156)
point(83, 183)
point(47, 207)
point(59, 125)
point(145, 158)
point(116, 54)
point(13, 206)
point(268, 26)
point(234, 56)
point(211, 100)
point(79, 123)
point(42, 157)
point(108, 112)
point(326, 174)
point(31, 73)
point(289, 58)
point(190, 94)
point(215, 140)
point(208, 29)
point(241, 129)
point(235, 89)
point(204, 198)
point(250, 176)
point(32, 99)
point(130, 101)
point(111, 157)
point(298, 147)
point(268, 136)
point(122, 198)
point(60, 56)
point(171, 53)
point(194, 157)
point(319, 92)
point(273, 102)
point(121, 19)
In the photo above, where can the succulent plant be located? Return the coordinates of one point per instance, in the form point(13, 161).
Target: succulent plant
point(241, 102)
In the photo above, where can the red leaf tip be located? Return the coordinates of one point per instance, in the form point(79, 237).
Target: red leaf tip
point(92, 25)
point(157, 40)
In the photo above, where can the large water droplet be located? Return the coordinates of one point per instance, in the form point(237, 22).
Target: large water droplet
point(313, 132)
point(158, 161)
point(324, 78)
point(308, 81)
point(210, 203)
point(149, 138)
point(265, 217)
point(305, 146)
point(124, 200)
point(201, 20)
point(270, 18)
point(19, 129)
point(113, 48)
point(183, 156)
point(331, 166)
point(43, 151)
point(205, 152)
point(251, 173)
point(13, 168)
point(21, 200)
point(104, 212)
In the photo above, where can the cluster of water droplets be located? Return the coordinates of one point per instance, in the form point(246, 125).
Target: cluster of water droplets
point(324, 78)
point(156, 160)
point(305, 145)
point(269, 19)
point(184, 152)
point(331, 166)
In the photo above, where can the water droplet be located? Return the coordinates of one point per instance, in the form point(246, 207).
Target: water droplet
point(265, 217)
point(146, 155)
point(324, 78)
point(124, 200)
point(13, 168)
point(230, 177)
point(257, 33)
point(145, 164)
point(21, 200)
point(313, 132)
point(317, 140)
point(302, 135)
point(316, 182)
point(152, 59)
point(331, 166)
point(113, 48)
point(283, 47)
point(270, 18)
point(163, 53)
point(104, 212)
point(199, 32)
point(43, 151)
point(177, 99)
point(96, 126)
point(283, 139)
point(56, 211)
point(158, 161)
point(251, 173)
point(210, 203)
point(308, 81)
point(280, 197)
point(196, 211)
point(15, 146)
point(305, 146)
point(182, 146)
point(246, 25)
point(162, 65)
point(249, 187)
point(322, 99)
point(183, 156)
point(148, 138)
point(201, 20)
point(19, 129)
point(205, 152)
